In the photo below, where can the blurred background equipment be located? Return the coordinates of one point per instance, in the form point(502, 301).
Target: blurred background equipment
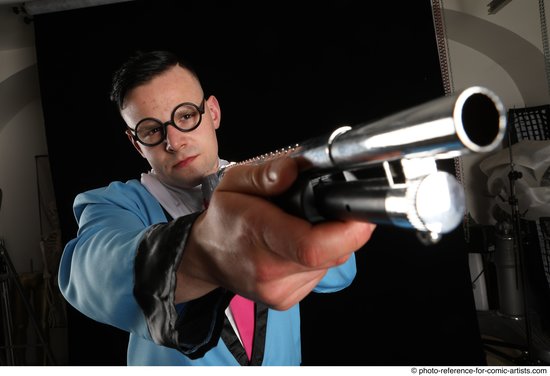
point(515, 325)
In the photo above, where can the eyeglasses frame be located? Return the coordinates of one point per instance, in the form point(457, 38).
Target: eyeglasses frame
point(171, 122)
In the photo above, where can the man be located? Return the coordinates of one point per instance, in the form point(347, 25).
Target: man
point(153, 258)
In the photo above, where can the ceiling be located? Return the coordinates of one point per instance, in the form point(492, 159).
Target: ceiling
point(47, 6)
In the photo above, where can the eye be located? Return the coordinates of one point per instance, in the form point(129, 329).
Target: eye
point(148, 128)
point(155, 130)
point(186, 116)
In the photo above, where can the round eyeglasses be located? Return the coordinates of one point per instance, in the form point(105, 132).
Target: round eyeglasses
point(185, 117)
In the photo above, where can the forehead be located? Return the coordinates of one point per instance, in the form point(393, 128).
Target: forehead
point(173, 82)
point(161, 94)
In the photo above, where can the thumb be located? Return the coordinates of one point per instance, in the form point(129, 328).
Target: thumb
point(268, 178)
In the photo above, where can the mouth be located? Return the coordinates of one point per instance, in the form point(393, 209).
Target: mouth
point(185, 162)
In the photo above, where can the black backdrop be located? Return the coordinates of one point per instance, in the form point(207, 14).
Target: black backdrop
point(283, 72)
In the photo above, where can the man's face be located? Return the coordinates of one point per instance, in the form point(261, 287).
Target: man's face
point(184, 158)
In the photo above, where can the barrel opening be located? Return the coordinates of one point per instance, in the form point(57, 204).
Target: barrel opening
point(480, 119)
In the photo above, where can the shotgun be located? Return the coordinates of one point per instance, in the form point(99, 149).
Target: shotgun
point(411, 192)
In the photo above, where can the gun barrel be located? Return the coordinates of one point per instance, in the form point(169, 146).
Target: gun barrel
point(470, 121)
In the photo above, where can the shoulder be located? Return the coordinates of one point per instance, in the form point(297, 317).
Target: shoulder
point(130, 195)
point(115, 191)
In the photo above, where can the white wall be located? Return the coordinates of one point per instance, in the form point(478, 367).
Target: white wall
point(22, 137)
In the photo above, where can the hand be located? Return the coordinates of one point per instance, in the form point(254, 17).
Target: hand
point(250, 246)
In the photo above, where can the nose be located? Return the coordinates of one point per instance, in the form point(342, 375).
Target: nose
point(175, 139)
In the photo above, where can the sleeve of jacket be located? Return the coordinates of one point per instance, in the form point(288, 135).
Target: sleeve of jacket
point(339, 277)
point(112, 270)
point(200, 322)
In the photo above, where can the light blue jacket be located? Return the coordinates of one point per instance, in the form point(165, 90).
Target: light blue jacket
point(99, 276)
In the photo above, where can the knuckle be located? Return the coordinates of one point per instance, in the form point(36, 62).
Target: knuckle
point(308, 255)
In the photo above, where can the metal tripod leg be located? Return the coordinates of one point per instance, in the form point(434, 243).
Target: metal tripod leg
point(12, 275)
point(6, 314)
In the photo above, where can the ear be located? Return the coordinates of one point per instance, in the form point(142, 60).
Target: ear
point(136, 144)
point(214, 109)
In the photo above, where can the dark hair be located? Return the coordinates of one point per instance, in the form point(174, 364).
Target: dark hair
point(142, 67)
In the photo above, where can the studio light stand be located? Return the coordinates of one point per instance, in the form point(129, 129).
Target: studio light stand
point(510, 262)
point(8, 277)
point(513, 177)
